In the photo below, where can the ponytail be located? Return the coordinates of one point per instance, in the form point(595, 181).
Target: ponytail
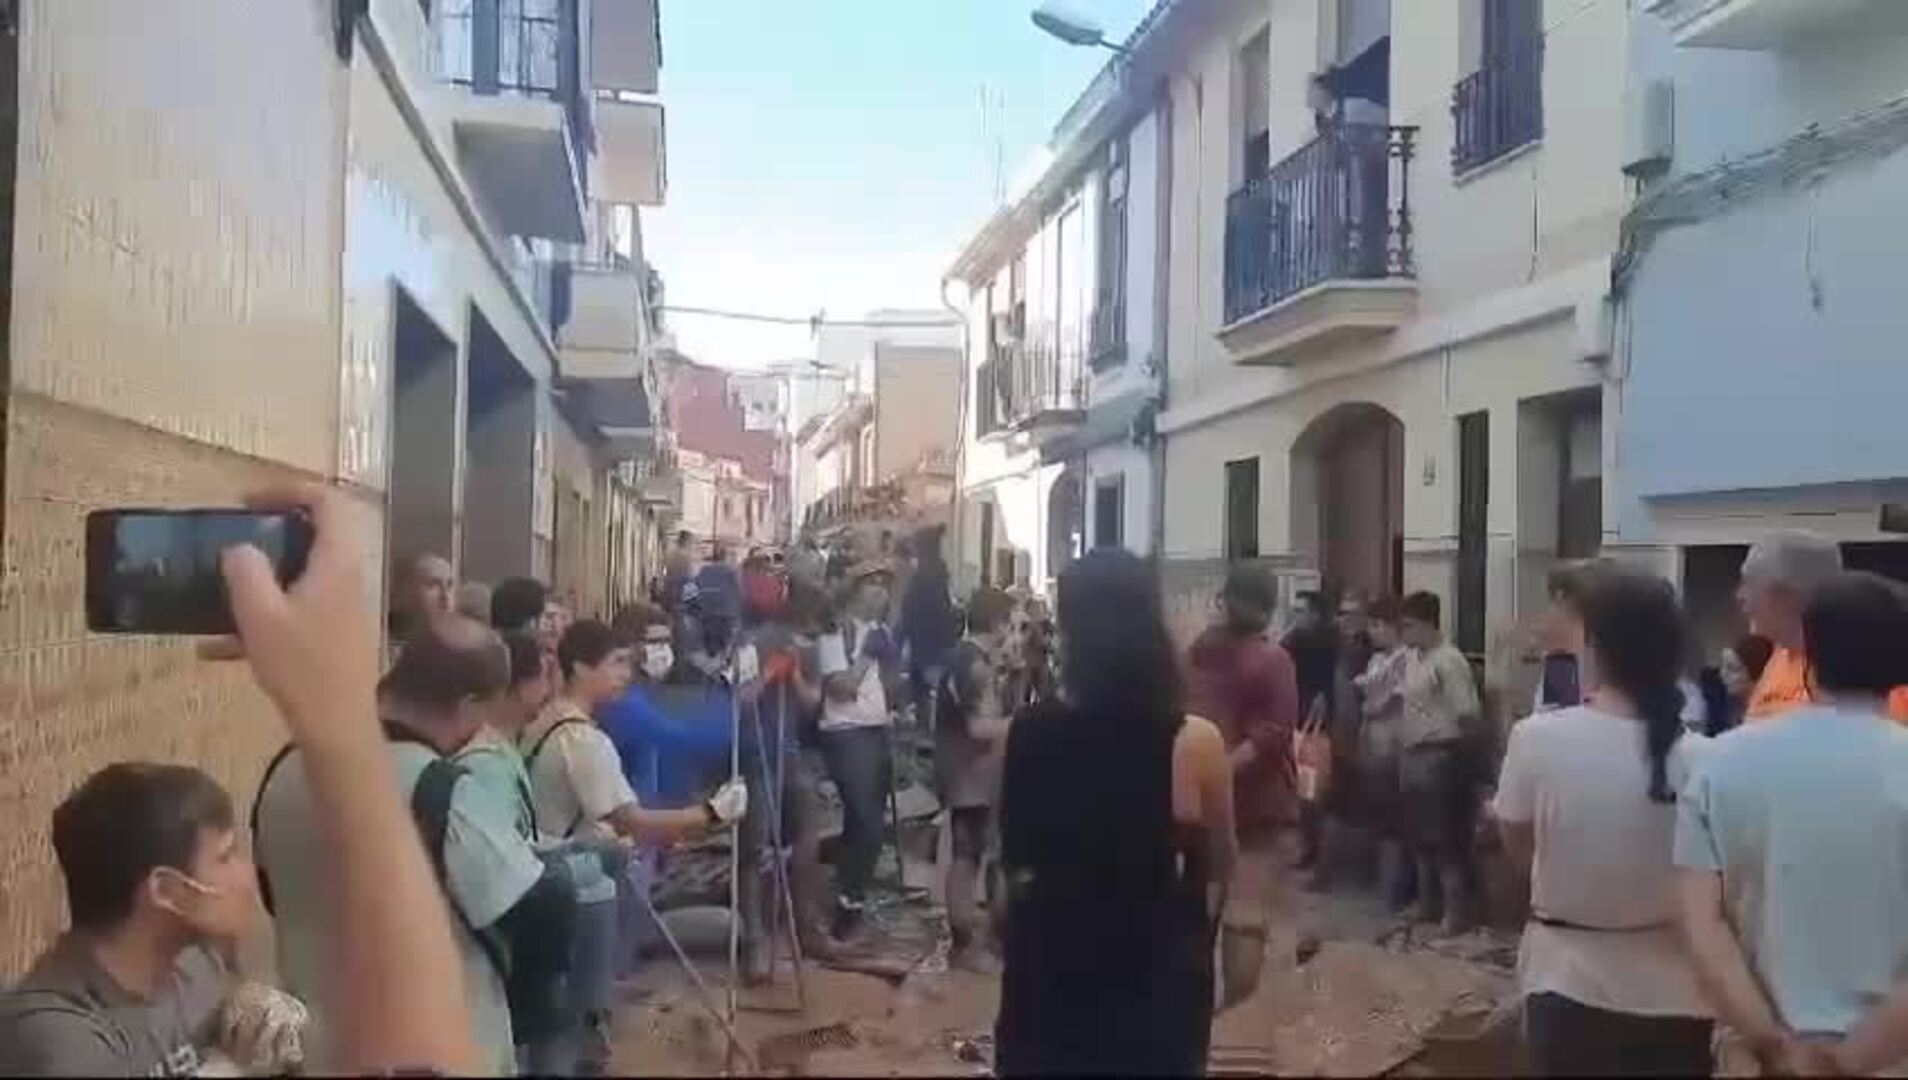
point(1661, 708)
point(1634, 624)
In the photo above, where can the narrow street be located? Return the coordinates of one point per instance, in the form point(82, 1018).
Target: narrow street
point(1371, 1001)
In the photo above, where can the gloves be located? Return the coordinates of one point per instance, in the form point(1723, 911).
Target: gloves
point(263, 1030)
point(729, 803)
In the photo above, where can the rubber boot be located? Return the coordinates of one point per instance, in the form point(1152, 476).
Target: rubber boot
point(1430, 891)
point(1455, 882)
point(1397, 875)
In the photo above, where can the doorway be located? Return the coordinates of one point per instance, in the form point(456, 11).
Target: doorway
point(1347, 509)
point(500, 477)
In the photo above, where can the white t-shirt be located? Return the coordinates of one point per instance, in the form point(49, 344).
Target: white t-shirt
point(576, 776)
point(1580, 776)
point(870, 707)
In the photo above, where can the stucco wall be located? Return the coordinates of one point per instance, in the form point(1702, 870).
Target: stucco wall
point(1775, 308)
point(1543, 212)
point(174, 342)
point(405, 229)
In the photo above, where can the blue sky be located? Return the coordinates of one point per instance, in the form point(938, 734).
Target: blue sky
point(830, 153)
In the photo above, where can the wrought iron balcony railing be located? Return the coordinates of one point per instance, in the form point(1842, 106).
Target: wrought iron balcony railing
point(1025, 382)
point(1498, 108)
point(1339, 208)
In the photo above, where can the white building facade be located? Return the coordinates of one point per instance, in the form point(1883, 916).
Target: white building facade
point(1388, 319)
point(1065, 339)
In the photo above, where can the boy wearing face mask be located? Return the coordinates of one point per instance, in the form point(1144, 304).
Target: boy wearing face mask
point(159, 890)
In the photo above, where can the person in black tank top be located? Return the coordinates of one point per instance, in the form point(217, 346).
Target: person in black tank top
point(1109, 932)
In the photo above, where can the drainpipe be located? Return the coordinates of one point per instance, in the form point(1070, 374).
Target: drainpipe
point(957, 513)
point(1162, 318)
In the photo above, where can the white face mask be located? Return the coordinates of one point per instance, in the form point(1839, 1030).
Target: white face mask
point(658, 659)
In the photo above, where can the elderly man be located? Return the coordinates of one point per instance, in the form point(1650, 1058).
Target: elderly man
point(1779, 575)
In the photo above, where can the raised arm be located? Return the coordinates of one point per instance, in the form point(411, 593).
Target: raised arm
point(397, 983)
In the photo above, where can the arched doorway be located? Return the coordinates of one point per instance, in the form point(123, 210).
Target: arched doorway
point(1066, 522)
point(1347, 513)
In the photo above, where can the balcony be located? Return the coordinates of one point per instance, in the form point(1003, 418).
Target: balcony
point(604, 349)
point(1499, 108)
point(1319, 249)
point(1755, 24)
point(626, 46)
point(662, 488)
point(521, 120)
point(607, 333)
point(1035, 388)
point(632, 159)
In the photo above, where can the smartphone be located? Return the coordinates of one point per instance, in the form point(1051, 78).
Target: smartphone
point(157, 571)
point(1562, 681)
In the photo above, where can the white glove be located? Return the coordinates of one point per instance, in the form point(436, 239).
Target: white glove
point(263, 1030)
point(729, 803)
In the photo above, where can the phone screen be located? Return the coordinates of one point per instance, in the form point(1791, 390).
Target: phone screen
point(157, 571)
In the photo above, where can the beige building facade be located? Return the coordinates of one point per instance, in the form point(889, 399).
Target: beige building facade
point(887, 452)
point(292, 241)
point(1388, 307)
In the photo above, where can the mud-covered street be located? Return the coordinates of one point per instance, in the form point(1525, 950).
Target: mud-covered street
point(1373, 999)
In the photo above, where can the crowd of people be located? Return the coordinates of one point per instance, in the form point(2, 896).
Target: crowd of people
point(458, 854)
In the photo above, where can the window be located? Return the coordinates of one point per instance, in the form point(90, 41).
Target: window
point(1252, 89)
point(1500, 107)
point(1474, 486)
point(516, 45)
point(1073, 282)
point(1109, 300)
point(454, 42)
point(1242, 509)
point(1109, 512)
point(1580, 483)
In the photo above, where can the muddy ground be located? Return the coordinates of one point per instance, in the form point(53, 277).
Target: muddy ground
point(1374, 999)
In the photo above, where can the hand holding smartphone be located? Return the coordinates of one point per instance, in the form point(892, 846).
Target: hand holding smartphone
point(152, 571)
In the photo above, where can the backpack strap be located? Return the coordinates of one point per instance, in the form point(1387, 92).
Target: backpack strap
point(530, 759)
point(258, 797)
point(431, 809)
point(530, 762)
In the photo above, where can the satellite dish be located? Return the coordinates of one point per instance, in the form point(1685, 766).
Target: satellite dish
point(1067, 26)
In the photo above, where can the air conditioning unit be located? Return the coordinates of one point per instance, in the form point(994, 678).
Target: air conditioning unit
point(1649, 130)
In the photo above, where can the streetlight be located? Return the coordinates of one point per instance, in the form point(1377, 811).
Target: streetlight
point(1073, 29)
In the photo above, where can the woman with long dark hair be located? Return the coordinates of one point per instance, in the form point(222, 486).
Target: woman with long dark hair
point(1116, 841)
point(1587, 802)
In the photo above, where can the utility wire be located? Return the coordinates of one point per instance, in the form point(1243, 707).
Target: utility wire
point(815, 321)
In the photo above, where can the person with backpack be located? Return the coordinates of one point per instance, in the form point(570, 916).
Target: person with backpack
point(569, 1046)
point(576, 775)
point(512, 914)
